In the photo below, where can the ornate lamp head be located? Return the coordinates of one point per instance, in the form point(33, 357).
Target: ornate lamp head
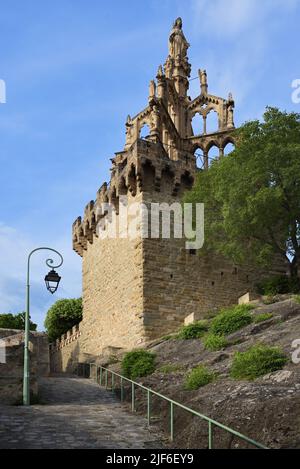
point(52, 280)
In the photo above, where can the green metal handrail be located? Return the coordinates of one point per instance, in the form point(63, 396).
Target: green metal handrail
point(211, 423)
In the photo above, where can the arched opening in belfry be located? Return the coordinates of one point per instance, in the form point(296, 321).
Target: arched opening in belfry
point(197, 124)
point(145, 131)
point(212, 122)
point(199, 157)
point(229, 148)
point(213, 154)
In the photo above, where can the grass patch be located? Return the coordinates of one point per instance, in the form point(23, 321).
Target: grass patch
point(170, 368)
point(262, 317)
point(214, 342)
point(193, 331)
point(297, 298)
point(231, 320)
point(138, 363)
point(198, 377)
point(168, 337)
point(257, 361)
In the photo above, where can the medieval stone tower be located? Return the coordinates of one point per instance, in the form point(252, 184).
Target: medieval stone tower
point(135, 290)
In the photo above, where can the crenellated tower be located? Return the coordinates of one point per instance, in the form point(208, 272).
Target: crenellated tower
point(137, 290)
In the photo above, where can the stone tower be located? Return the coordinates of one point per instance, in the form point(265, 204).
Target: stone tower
point(135, 290)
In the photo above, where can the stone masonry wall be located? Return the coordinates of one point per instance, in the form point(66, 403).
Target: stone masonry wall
point(178, 282)
point(11, 371)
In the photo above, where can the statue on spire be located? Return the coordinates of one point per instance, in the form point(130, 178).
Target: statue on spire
point(178, 44)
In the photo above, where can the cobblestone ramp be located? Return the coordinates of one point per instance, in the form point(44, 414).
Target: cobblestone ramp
point(75, 413)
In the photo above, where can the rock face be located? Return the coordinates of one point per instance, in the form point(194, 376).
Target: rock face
point(12, 363)
point(267, 409)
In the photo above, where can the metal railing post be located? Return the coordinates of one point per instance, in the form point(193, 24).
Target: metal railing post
point(101, 372)
point(172, 421)
point(122, 390)
point(132, 397)
point(148, 406)
point(112, 382)
point(210, 435)
point(106, 378)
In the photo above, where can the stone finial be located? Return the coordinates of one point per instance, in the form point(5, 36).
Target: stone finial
point(160, 72)
point(230, 98)
point(203, 81)
point(152, 90)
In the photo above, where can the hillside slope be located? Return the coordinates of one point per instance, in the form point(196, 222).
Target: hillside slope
point(266, 409)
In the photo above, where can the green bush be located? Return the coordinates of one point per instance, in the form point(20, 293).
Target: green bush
point(62, 316)
point(278, 285)
point(231, 320)
point(193, 331)
point(214, 342)
point(198, 377)
point(262, 317)
point(169, 368)
point(138, 363)
point(257, 361)
point(15, 321)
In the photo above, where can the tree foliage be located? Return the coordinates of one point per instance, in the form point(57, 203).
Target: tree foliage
point(15, 321)
point(62, 316)
point(252, 196)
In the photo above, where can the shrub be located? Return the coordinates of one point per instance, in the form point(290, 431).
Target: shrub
point(198, 377)
point(193, 331)
point(231, 320)
point(262, 317)
point(138, 363)
point(278, 285)
point(62, 316)
point(257, 361)
point(169, 368)
point(214, 342)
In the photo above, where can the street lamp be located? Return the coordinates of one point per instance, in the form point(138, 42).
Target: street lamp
point(52, 280)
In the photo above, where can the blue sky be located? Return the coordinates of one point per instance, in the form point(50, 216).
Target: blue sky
point(74, 70)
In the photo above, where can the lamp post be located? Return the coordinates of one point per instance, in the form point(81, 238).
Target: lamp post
point(52, 280)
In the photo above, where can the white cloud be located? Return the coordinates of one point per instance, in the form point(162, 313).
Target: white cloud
point(230, 18)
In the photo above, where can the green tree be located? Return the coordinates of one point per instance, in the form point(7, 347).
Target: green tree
point(62, 316)
point(252, 196)
point(15, 321)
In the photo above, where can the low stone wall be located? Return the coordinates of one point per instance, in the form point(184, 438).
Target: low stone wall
point(64, 353)
point(12, 363)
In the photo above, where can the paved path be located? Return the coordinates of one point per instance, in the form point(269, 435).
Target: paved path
point(76, 413)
